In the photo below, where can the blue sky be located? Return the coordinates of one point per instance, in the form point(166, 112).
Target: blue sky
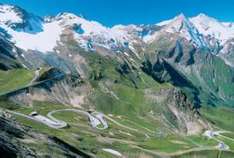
point(110, 12)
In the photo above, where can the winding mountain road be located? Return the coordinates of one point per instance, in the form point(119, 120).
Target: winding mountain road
point(51, 121)
point(95, 120)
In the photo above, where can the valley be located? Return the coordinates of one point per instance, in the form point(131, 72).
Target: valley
point(122, 135)
point(72, 87)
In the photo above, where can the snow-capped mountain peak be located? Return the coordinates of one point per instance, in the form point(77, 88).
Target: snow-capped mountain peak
point(211, 27)
point(18, 19)
point(180, 18)
point(34, 33)
point(178, 24)
point(9, 15)
point(90, 33)
point(88, 27)
point(31, 32)
point(27, 31)
point(186, 29)
point(181, 26)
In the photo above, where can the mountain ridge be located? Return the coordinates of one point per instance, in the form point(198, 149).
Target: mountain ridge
point(91, 33)
point(136, 90)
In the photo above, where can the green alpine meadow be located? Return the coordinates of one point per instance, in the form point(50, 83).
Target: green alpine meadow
point(71, 87)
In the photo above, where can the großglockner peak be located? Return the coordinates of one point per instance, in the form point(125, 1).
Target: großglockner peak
point(182, 26)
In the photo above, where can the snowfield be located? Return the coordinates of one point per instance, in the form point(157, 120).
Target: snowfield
point(44, 41)
point(114, 152)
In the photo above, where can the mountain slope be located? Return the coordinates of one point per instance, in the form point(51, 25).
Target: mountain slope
point(136, 90)
point(20, 141)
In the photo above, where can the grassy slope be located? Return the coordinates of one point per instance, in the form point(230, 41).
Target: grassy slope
point(14, 79)
point(217, 79)
point(81, 135)
point(131, 110)
point(220, 116)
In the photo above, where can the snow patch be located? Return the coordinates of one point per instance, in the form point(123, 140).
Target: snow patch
point(114, 152)
point(44, 41)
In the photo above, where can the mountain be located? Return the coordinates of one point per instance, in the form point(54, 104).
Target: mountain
point(202, 30)
point(182, 26)
point(72, 87)
point(211, 27)
point(25, 28)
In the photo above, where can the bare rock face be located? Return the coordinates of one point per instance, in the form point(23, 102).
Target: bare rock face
point(177, 112)
point(8, 58)
point(185, 117)
point(10, 145)
point(68, 91)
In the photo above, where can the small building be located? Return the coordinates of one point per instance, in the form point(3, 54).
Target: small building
point(90, 110)
point(34, 113)
point(223, 146)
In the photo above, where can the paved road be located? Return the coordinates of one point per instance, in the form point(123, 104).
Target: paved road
point(53, 123)
point(121, 125)
point(100, 117)
point(231, 139)
point(36, 75)
point(95, 121)
point(213, 134)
